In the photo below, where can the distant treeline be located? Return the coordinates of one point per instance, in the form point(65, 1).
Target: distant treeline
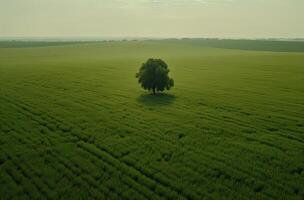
point(242, 44)
point(255, 45)
point(25, 44)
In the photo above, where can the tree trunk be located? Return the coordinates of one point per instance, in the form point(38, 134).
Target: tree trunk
point(153, 91)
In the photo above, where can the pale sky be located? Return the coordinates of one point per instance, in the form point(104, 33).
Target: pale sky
point(152, 18)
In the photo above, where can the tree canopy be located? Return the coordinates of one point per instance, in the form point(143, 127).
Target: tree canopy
point(153, 76)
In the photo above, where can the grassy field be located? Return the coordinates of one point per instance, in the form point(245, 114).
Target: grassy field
point(74, 123)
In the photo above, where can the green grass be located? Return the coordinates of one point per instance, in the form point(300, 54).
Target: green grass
point(74, 123)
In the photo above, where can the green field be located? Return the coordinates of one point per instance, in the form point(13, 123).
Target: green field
point(74, 123)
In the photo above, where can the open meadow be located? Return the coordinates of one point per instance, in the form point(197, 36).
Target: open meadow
point(75, 124)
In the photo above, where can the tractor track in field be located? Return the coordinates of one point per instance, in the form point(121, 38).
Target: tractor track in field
point(72, 168)
point(208, 166)
point(131, 165)
point(27, 176)
point(166, 186)
point(138, 169)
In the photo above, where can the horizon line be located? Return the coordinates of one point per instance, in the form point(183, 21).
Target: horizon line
point(104, 38)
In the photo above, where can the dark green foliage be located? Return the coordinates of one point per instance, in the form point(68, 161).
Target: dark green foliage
point(153, 76)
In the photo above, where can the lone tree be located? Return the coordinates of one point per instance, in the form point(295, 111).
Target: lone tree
point(153, 75)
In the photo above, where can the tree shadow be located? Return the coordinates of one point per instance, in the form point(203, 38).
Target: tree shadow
point(159, 99)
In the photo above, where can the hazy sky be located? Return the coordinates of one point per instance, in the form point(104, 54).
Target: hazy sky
point(153, 18)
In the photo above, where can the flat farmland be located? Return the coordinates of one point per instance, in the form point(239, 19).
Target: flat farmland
point(75, 124)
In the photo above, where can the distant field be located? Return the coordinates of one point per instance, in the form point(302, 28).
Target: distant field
point(74, 123)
